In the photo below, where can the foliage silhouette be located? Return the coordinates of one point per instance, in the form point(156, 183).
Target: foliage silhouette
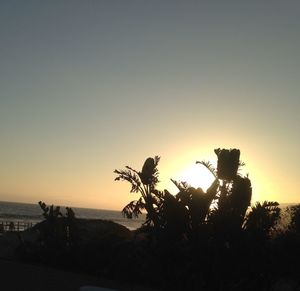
point(58, 230)
point(50, 212)
point(212, 233)
point(222, 209)
point(201, 240)
point(262, 218)
point(143, 182)
point(228, 163)
point(294, 213)
point(196, 203)
point(191, 210)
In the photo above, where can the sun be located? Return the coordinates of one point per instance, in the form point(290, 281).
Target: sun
point(196, 176)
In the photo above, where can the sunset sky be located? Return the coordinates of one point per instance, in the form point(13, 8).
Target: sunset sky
point(90, 86)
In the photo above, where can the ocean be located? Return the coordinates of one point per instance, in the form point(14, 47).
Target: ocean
point(32, 213)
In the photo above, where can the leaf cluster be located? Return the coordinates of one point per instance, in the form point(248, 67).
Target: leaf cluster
point(223, 208)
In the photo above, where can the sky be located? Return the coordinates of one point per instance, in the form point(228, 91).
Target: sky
point(87, 87)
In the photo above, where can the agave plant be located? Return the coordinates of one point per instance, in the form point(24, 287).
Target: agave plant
point(143, 182)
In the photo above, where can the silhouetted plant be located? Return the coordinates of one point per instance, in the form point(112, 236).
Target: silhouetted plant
point(221, 215)
point(196, 202)
point(228, 163)
point(262, 218)
point(70, 213)
point(214, 240)
point(174, 216)
point(233, 201)
point(191, 208)
point(230, 194)
point(143, 182)
point(50, 212)
point(58, 230)
point(209, 167)
point(294, 213)
point(133, 209)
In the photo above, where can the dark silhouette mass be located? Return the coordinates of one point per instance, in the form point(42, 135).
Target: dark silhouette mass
point(214, 240)
point(190, 240)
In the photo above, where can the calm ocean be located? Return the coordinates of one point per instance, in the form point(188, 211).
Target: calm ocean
point(23, 212)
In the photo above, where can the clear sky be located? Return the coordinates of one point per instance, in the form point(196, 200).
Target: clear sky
point(90, 86)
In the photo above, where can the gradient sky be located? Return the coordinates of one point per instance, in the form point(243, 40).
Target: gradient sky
point(90, 86)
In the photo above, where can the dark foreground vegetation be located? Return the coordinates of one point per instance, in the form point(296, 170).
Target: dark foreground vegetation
point(194, 240)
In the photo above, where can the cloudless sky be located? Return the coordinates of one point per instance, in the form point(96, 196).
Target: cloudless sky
point(90, 86)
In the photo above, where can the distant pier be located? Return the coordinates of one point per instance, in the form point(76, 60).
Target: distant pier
point(15, 226)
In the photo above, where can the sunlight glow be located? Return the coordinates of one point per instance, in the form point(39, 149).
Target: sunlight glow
point(196, 176)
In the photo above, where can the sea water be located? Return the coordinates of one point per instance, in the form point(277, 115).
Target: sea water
point(32, 213)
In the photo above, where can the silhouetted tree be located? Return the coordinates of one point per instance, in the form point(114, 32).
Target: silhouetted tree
point(234, 194)
point(143, 182)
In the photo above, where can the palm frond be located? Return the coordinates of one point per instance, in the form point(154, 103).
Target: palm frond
point(156, 160)
point(270, 205)
point(155, 172)
point(262, 217)
point(209, 166)
point(131, 177)
point(133, 209)
point(158, 194)
point(181, 186)
point(131, 169)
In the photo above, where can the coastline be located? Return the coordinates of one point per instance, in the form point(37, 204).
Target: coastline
point(31, 213)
